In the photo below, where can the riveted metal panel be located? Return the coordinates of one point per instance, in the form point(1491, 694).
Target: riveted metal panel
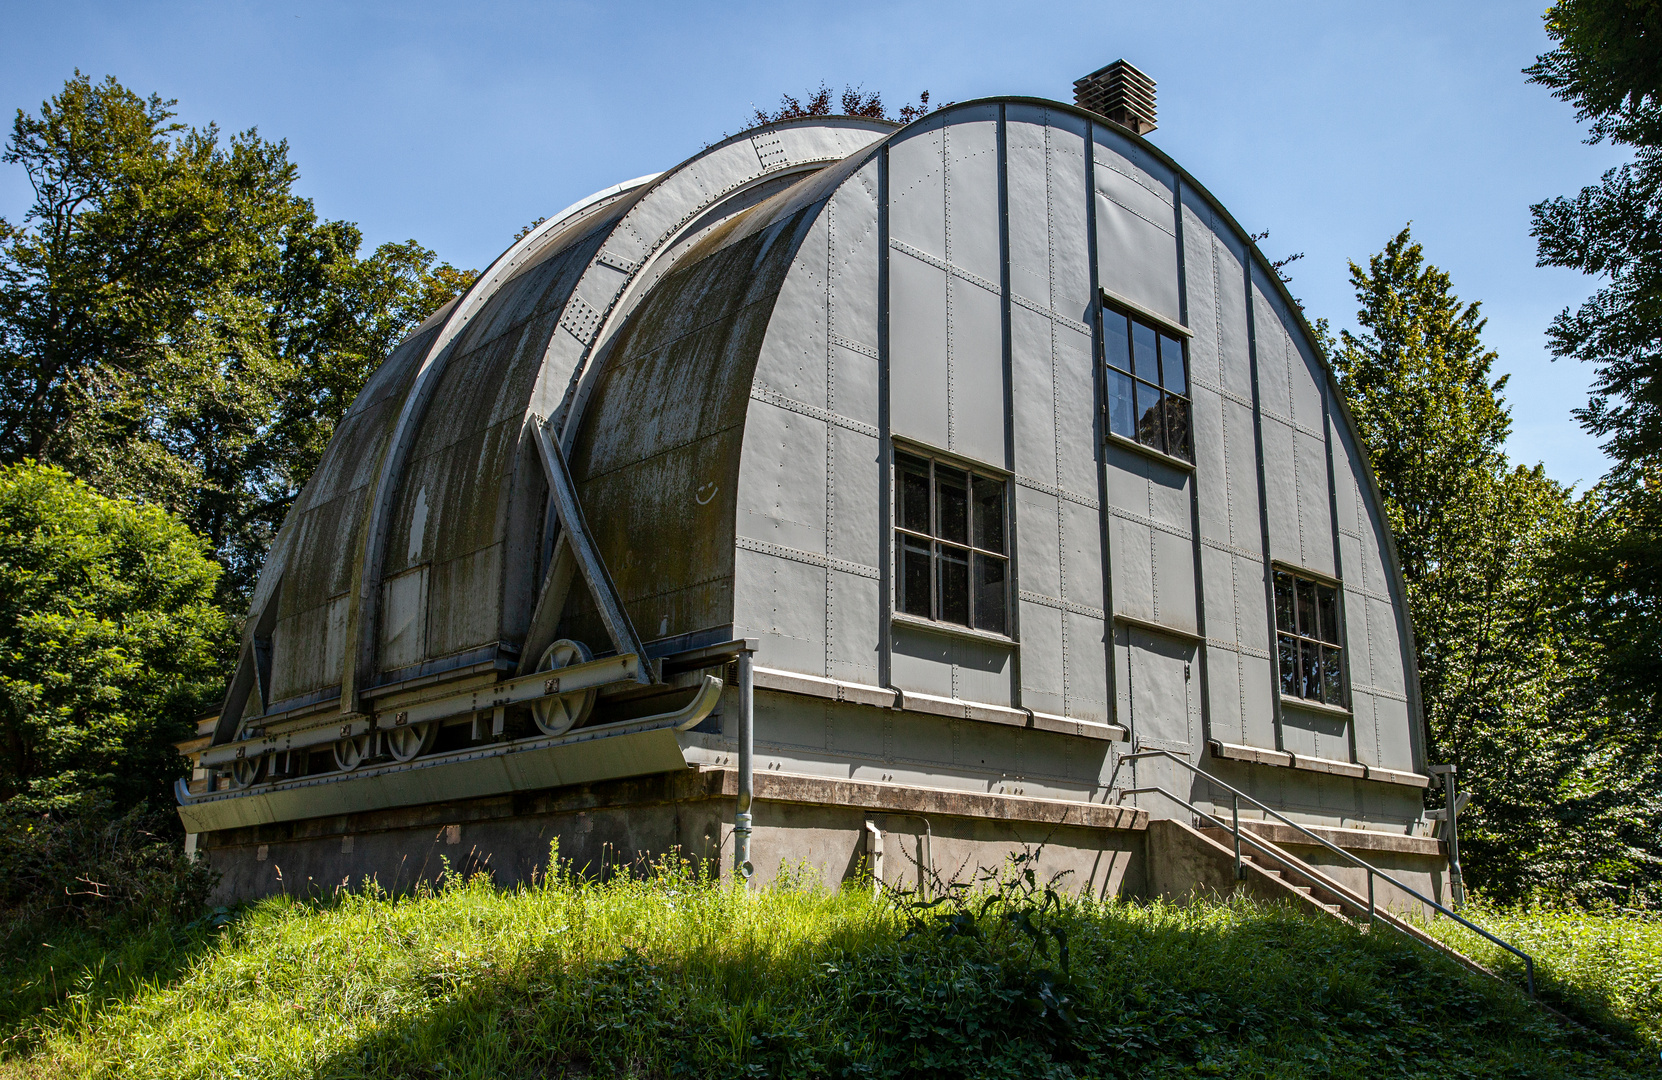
point(1041, 661)
point(855, 535)
point(976, 384)
point(404, 621)
point(1072, 291)
point(793, 358)
point(970, 143)
point(1074, 401)
point(1087, 676)
point(853, 646)
point(1081, 539)
point(1136, 233)
point(1034, 397)
point(918, 371)
point(1157, 684)
point(917, 188)
point(1037, 521)
point(1027, 178)
point(784, 478)
point(853, 296)
point(921, 661)
point(453, 623)
point(789, 597)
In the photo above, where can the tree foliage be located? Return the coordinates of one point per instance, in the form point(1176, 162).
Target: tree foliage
point(176, 324)
point(1607, 61)
point(110, 642)
point(1480, 542)
point(854, 101)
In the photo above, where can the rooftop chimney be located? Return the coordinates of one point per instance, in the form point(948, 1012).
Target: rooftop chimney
point(1121, 93)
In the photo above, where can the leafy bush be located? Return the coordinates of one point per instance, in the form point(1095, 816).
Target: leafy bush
point(110, 643)
point(90, 865)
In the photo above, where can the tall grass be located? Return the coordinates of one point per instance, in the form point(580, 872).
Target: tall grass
point(1602, 967)
point(673, 976)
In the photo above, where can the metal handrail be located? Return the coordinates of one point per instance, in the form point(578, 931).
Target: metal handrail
point(1235, 829)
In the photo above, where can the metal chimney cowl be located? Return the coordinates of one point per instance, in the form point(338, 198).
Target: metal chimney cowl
point(1121, 93)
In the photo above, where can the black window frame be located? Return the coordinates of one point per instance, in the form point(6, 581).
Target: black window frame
point(1309, 623)
point(944, 551)
point(1131, 378)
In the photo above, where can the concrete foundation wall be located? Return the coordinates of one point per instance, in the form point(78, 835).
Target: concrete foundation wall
point(802, 825)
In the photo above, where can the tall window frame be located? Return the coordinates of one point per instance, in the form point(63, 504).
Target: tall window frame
point(952, 549)
point(1309, 632)
point(1148, 391)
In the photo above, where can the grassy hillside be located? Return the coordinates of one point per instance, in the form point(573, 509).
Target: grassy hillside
point(674, 977)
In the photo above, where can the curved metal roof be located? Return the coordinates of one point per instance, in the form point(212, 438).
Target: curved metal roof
point(633, 320)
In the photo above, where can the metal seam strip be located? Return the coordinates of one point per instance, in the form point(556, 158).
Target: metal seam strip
point(1059, 492)
point(1295, 425)
point(1061, 605)
point(812, 558)
point(1159, 191)
point(942, 264)
point(1227, 395)
point(1138, 213)
point(1237, 647)
point(1231, 549)
point(774, 397)
point(1129, 515)
point(1378, 691)
point(869, 351)
point(1049, 313)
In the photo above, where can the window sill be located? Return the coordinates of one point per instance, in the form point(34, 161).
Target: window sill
point(1148, 451)
point(900, 618)
point(1164, 322)
point(1289, 702)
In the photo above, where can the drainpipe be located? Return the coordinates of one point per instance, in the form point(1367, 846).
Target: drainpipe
point(742, 866)
point(1451, 813)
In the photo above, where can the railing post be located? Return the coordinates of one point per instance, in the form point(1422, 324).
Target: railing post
point(1240, 871)
point(742, 866)
point(1370, 898)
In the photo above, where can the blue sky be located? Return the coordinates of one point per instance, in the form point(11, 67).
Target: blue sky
point(1330, 124)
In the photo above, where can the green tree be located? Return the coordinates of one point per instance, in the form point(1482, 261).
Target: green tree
point(110, 642)
point(1476, 537)
point(176, 324)
point(1607, 61)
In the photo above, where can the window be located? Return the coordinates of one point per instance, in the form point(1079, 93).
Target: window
point(1148, 385)
point(1307, 638)
point(954, 566)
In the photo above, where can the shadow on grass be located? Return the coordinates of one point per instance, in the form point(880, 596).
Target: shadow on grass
point(1230, 989)
point(54, 972)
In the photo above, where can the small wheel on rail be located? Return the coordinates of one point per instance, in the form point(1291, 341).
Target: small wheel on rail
point(406, 742)
point(559, 713)
point(353, 750)
point(248, 771)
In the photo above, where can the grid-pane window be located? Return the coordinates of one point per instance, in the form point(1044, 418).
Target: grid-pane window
point(949, 544)
point(1307, 638)
point(1148, 385)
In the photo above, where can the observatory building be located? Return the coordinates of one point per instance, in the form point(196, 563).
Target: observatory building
point(884, 497)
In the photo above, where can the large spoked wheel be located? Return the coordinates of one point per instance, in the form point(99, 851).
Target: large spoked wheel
point(351, 752)
point(560, 713)
point(247, 771)
point(410, 741)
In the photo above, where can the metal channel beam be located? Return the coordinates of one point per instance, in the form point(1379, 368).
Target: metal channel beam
point(627, 748)
point(527, 688)
point(576, 535)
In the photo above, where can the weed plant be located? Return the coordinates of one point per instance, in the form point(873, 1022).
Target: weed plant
point(671, 975)
point(1603, 967)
